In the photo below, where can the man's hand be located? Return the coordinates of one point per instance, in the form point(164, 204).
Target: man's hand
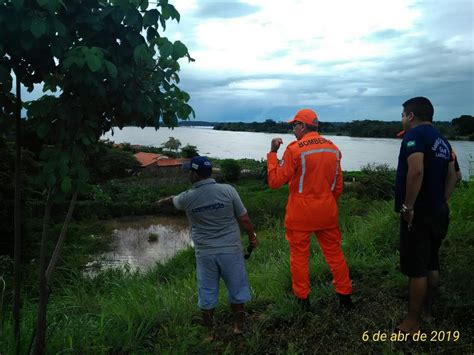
point(408, 217)
point(253, 240)
point(276, 142)
point(165, 202)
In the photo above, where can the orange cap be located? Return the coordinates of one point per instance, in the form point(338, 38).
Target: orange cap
point(307, 116)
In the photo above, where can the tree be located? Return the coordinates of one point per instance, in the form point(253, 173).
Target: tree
point(110, 163)
point(172, 144)
point(464, 125)
point(105, 72)
point(189, 151)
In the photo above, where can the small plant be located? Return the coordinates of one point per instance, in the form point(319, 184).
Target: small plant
point(153, 237)
point(230, 169)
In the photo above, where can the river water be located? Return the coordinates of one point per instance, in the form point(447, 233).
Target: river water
point(356, 152)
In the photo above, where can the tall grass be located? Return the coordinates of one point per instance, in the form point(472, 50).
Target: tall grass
point(156, 312)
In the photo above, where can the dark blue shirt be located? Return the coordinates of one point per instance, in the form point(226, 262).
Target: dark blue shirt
point(437, 155)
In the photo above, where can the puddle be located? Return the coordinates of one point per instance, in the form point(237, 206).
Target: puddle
point(139, 243)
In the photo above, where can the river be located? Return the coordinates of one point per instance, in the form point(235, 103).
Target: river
point(356, 152)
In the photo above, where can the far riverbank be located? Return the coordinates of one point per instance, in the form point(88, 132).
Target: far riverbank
point(356, 152)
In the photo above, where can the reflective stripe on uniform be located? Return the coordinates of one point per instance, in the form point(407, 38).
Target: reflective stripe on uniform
point(303, 165)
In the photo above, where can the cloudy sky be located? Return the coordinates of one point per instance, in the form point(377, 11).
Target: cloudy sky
point(346, 59)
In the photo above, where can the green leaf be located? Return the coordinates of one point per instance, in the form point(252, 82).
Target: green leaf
point(185, 96)
point(144, 5)
point(151, 17)
point(133, 18)
point(165, 12)
point(111, 69)
point(49, 87)
point(99, 52)
point(59, 27)
point(93, 62)
point(140, 53)
point(179, 50)
point(69, 61)
point(174, 13)
point(166, 48)
point(66, 184)
point(184, 111)
point(151, 34)
point(133, 39)
point(38, 27)
point(163, 22)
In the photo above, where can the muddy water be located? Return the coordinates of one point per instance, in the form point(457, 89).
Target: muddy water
point(139, 243)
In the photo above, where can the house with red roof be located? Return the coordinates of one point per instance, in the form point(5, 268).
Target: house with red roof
point(159, 164)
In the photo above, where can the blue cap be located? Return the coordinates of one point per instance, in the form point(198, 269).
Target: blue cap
point(198, 164)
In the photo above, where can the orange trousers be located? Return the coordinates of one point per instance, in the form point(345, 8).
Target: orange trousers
point(330, 242)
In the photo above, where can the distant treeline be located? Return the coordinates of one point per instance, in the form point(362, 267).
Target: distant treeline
point(459, 128)
point(196, 123)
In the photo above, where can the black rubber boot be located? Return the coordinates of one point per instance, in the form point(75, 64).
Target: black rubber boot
point(208, 320)
point(304, 304)
point(345, 301)
point(238, 314)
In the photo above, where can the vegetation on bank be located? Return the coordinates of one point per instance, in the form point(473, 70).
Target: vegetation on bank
point(124, 312)
point(459, 128)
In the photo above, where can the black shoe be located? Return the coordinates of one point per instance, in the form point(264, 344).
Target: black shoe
point(345, 301)
point(304, 304)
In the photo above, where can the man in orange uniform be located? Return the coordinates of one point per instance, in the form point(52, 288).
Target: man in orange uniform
point(311, 166)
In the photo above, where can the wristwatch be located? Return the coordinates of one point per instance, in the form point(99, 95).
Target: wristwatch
point(405, 209)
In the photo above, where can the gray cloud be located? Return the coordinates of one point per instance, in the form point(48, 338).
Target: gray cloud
point(225, 9)
point(384, 35)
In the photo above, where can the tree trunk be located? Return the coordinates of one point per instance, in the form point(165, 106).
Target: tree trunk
point(17, 220)
point(62, 236)
point(41, 322)
point(43, 286)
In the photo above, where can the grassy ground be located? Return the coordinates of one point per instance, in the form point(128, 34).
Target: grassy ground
point(156, 312)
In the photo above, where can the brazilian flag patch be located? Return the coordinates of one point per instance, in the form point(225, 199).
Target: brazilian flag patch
point(411, 144)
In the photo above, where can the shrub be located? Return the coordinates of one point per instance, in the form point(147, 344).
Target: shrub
point(376, 182)
point(230, 169)
point(189, 151)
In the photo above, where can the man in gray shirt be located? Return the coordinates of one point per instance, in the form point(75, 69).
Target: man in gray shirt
point(215, 212)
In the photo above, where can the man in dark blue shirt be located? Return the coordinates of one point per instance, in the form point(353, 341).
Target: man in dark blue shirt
point(425, 180)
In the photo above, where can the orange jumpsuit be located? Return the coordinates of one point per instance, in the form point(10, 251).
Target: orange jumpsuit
point(312, 168)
